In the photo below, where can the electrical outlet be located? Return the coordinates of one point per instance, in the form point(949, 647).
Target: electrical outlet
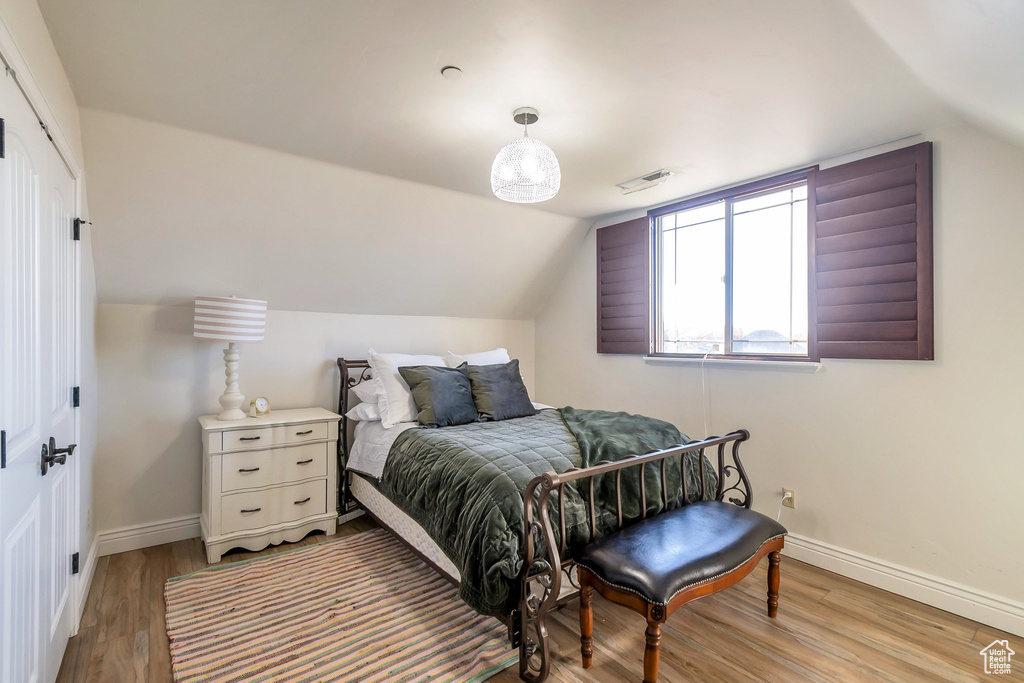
point(789, 502)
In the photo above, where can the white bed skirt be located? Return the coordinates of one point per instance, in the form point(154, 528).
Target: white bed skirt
point(399, 522)
point(402, 524)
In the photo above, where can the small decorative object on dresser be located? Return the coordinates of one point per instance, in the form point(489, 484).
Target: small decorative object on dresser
point(269, 479)
point(259, 406)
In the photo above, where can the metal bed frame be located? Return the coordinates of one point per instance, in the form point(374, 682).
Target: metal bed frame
point(539, 592)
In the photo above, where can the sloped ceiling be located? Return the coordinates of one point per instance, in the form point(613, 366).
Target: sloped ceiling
point(179, 214)
point(720, 90)
point(969, 52)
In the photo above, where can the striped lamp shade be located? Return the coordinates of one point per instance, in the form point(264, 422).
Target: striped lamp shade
point(225, 318)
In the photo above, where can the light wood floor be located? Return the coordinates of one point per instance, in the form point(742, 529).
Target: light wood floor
point(829, 628)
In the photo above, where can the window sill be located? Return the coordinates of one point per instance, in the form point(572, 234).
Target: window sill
point(738, 363)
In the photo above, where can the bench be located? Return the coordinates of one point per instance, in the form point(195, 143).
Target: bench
point(661, 563)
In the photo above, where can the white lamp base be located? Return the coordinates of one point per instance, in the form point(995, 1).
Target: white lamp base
point(231, 400)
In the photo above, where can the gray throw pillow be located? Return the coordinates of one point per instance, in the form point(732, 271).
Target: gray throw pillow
point(499, 392)
point(443, 396)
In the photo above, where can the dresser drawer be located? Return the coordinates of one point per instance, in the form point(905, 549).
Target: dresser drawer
point(248, 438)
point(316, 431)
point(248, 470)
point(255, 509)
point(303, 500)
point(246, 511)
point(280, 435)
point(296, 463)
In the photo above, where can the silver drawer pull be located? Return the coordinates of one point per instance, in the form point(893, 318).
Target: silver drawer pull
point(302, 502)
point(308, 431)
point(304, 462)
point(252, 510)
point(249, 469)
point(249, 438)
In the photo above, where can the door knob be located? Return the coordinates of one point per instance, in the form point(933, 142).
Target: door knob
point(51, 455)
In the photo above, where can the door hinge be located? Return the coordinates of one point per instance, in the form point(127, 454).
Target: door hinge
point(76, 397)
point(74, 563)
point(3, 449)
point(3, 140)
point(46, 129)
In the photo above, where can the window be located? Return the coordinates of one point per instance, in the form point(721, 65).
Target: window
point(731, 272)
point(821, 263)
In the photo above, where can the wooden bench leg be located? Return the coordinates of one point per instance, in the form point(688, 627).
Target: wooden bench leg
point(586, 625)
point(651, 653)
point(773, 583)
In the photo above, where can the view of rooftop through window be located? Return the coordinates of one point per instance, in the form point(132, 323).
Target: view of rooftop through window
point(760, 241)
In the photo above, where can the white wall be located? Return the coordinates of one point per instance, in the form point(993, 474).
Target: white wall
point(917, 464)
point(156, 379)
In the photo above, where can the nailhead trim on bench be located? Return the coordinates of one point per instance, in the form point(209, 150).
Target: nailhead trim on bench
point(690, 585)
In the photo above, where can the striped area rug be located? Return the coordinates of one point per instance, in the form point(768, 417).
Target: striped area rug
point(360, 608)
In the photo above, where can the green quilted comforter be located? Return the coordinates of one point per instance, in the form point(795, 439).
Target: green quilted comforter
point(464, 485)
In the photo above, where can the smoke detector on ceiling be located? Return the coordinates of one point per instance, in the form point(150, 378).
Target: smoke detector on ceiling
point(645, 182)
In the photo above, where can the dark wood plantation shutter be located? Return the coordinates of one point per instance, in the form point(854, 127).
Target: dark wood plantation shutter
point(872, 260)
point(624, 287)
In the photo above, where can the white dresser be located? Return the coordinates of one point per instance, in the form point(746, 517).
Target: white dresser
point(268, 479)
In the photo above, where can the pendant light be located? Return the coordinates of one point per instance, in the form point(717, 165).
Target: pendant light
point(525, 170)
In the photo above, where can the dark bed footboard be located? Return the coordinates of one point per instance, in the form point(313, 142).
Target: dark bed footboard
point(539, 590)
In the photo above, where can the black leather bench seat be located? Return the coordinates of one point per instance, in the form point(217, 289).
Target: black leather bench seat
point(670, 552)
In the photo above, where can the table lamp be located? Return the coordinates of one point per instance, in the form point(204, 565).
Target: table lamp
point(232, 320)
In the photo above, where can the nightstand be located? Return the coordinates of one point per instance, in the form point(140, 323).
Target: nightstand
point(268, 479)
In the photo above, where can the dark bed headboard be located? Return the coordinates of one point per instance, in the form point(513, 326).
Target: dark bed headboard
point(353, 373)
point(350, 379)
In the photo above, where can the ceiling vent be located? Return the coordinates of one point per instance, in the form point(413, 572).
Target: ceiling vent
point(645, 181)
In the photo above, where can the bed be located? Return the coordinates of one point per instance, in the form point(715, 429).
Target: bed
point(501, 508)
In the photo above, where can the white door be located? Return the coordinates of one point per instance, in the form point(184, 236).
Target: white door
point(38, 333)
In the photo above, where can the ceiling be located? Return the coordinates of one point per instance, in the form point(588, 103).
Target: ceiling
point(718, 90)
point(969, 52)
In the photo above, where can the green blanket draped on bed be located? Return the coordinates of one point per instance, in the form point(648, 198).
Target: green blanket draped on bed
point(464, 485)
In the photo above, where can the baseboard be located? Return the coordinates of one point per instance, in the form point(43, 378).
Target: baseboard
point(993, 610)
point(88, 571)
point(149, 534)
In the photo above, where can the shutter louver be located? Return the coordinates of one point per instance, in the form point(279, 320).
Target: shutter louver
point(872, 257)
point(624, 288)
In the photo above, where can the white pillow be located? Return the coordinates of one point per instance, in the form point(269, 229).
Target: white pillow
point(495, 357)
point(394, 400)
point(364, 412)
point(367, 390)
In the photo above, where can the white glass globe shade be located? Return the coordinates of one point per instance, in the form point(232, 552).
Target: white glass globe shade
point(525, 171)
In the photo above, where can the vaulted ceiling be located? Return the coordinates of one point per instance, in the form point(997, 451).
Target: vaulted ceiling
point(968, 52)
point(719, 90)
